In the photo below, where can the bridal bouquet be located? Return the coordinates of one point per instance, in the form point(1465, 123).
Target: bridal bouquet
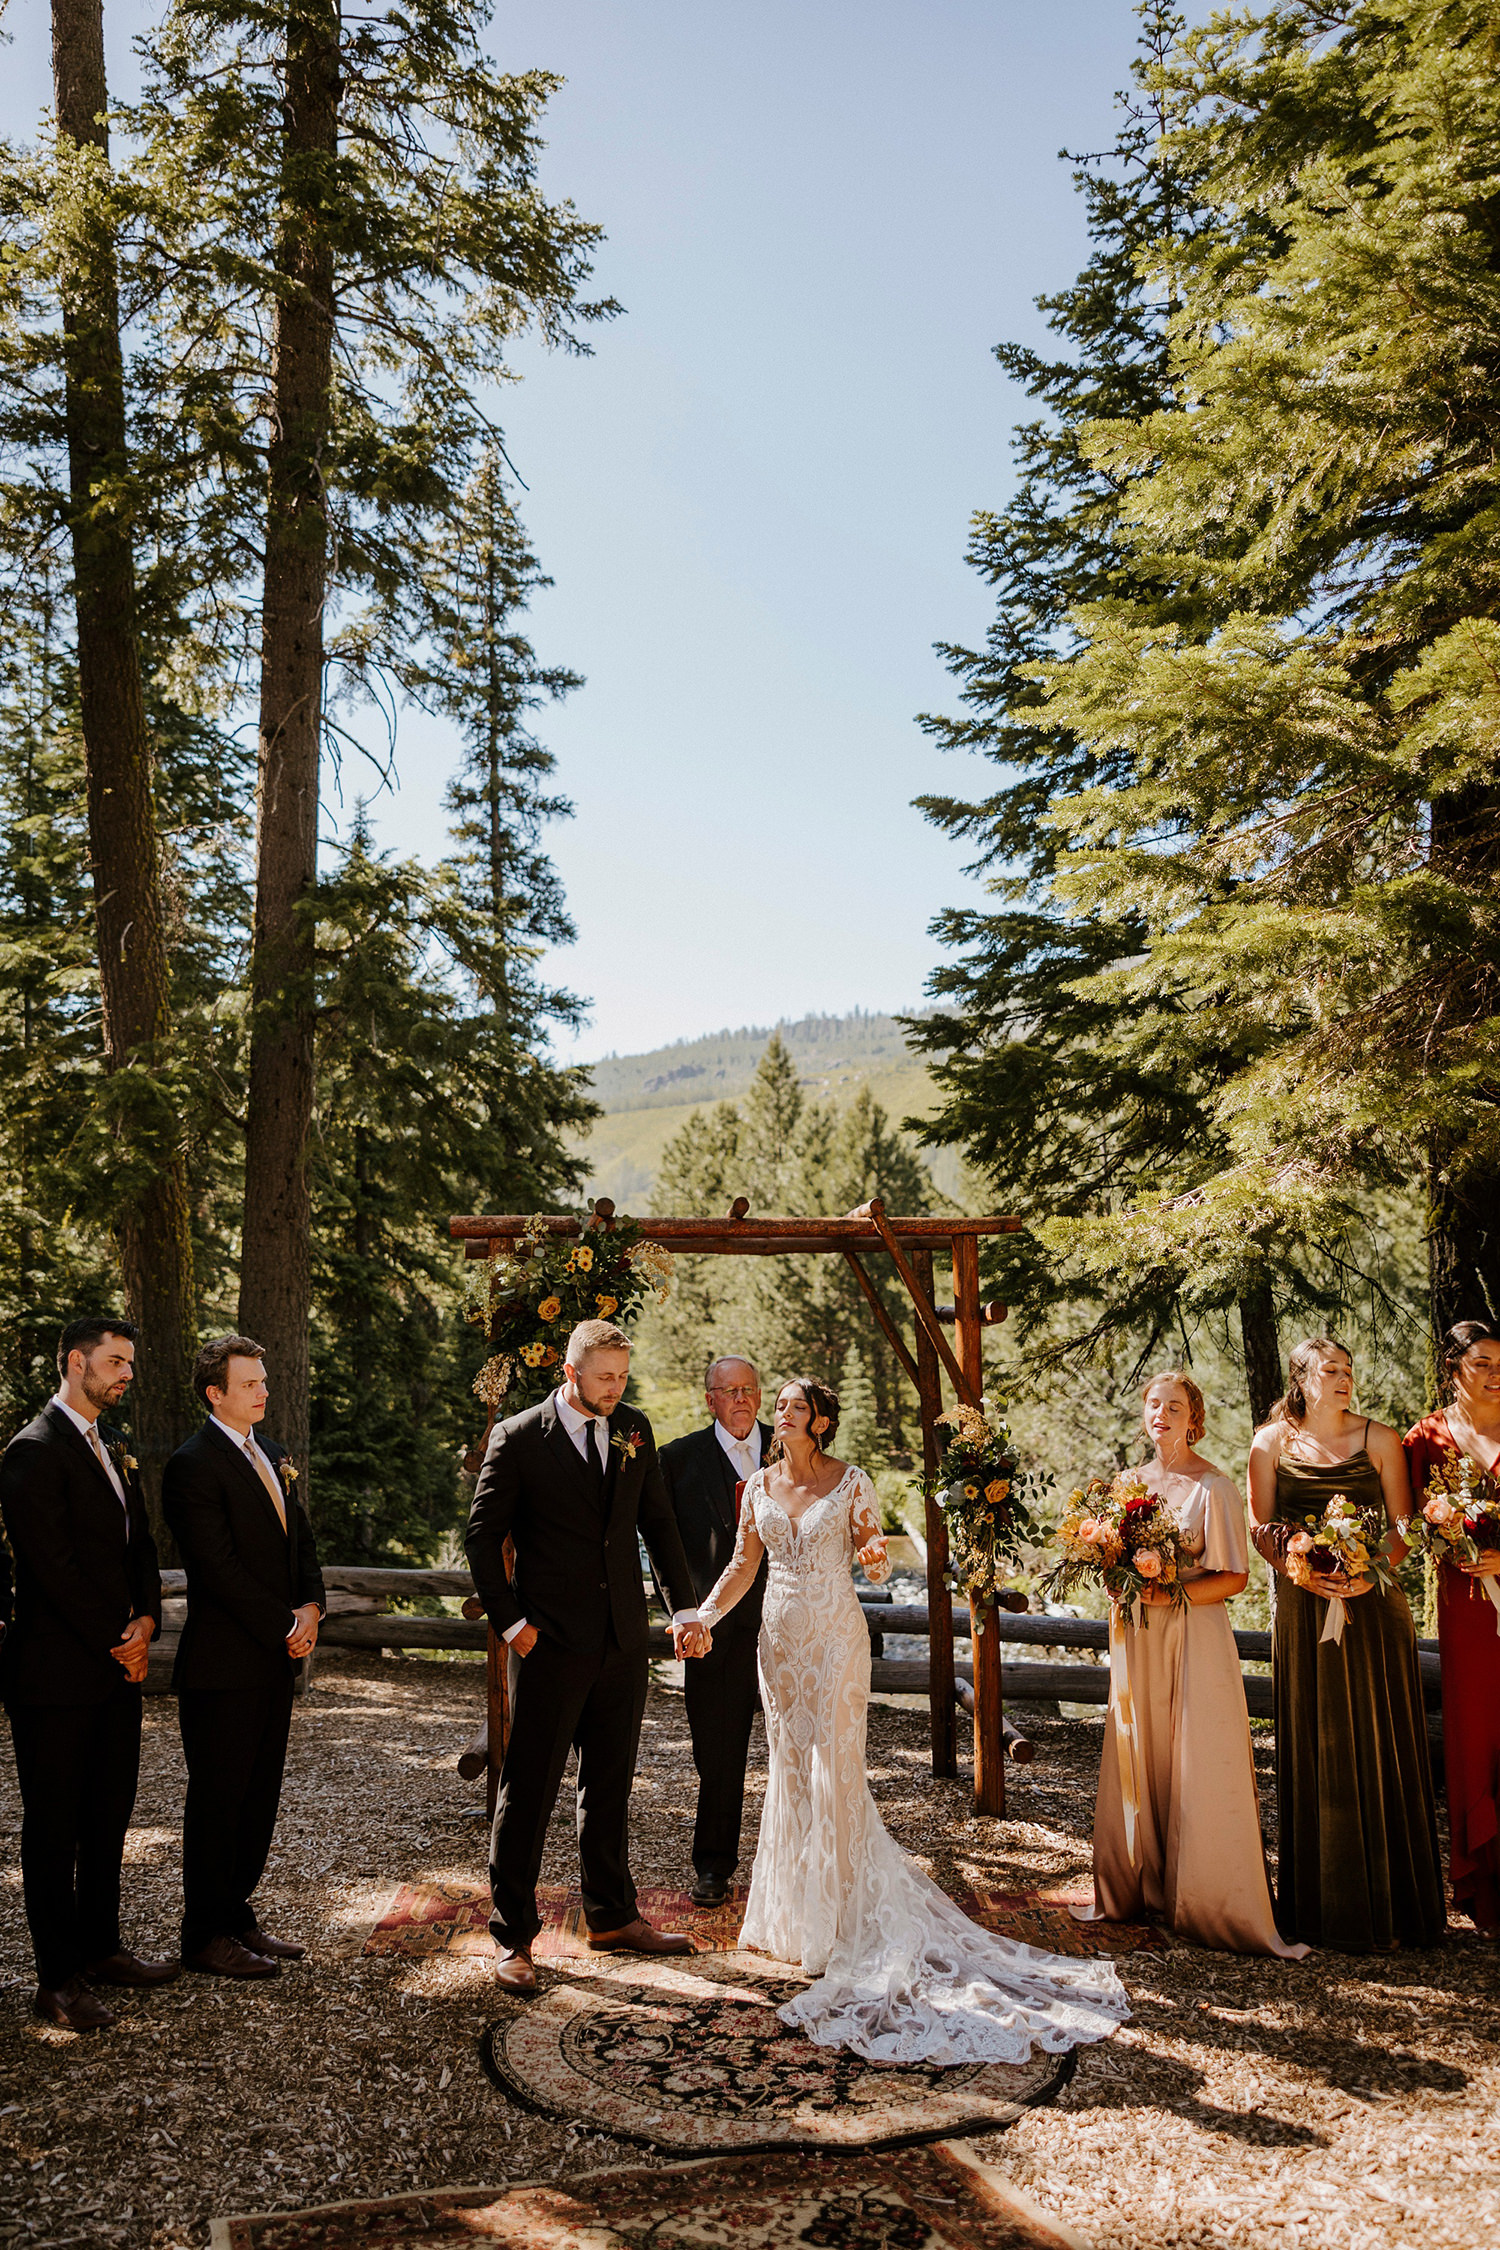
point(1340, 1541)
point(982, 1489)
point(1459, 1519)
point(531, 1294)
point(1121, 1537)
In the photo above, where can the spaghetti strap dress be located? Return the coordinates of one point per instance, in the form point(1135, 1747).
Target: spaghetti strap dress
point(1469, 1642)
point(1358, 1858)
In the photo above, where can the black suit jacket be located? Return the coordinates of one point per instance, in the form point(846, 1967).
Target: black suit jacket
point(700, 1482)
point(245, 1575)
point(578, 1568)
point(84, 1565)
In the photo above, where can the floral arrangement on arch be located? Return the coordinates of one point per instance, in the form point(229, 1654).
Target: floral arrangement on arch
point(1116, 1533)
point(530, 1294)
point(981, 1489)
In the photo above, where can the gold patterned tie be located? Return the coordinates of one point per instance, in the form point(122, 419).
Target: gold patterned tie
point(268, 1478)
point(99, 1457)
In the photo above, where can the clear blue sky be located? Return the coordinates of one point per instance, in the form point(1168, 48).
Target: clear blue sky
point(754, 496)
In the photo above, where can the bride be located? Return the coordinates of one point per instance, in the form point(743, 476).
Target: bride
point(904, 1976)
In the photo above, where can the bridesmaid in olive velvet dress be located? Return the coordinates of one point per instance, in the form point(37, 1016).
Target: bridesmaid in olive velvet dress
point(1358, 1865)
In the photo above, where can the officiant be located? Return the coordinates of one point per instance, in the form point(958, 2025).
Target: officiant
point(706, 1472)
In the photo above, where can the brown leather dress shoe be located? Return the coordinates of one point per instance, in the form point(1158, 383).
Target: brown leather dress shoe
point(274, 1948)
point(638, 1937)
point(226, 1957)
point(514, 1973)
point(130, 1968)
point(74, 2007)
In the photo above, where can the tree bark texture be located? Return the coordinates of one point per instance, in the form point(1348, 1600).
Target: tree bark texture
point(1463, 1210)
point(276, 1262)
point(1262, 1347)
point(152, 1226)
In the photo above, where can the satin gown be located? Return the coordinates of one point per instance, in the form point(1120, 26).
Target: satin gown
point(903, 1975)
point(1469, 1644)
point(1183, 1757)
point(1358, 1863)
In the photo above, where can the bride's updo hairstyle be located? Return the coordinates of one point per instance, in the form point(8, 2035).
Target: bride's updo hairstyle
point(1197, 1413)
point(1292, 1405)
point(824, 1404)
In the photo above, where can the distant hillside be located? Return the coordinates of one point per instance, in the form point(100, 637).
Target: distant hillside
point(647, 1097)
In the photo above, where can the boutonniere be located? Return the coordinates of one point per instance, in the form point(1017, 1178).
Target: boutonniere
point(627, 1443)
point(286, 1469)
point(123, 1460)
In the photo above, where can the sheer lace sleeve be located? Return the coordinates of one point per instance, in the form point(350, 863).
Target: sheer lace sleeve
point(738, 1579)
point(864, 1522)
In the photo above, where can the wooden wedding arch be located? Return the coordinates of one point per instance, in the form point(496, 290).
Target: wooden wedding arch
point(910, 1244)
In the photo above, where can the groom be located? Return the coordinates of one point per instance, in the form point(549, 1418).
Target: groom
point(568, 1483)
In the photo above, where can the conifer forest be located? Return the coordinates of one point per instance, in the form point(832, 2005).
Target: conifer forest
point(1225, 1033)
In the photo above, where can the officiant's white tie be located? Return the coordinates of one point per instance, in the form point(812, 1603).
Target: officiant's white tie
point(268, 1478)
point(744, 1460)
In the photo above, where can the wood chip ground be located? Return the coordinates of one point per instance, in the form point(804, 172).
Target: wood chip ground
point(1340, 2103)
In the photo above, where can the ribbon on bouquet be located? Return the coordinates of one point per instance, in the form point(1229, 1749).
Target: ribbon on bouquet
point(1127, 1742)
point(1334, 1622)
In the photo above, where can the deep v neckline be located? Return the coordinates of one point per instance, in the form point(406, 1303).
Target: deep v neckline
point(794, 1523)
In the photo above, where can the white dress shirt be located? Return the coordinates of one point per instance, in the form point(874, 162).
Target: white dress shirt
point(744, 1452)
point(578, 1426)
point(89, 1432)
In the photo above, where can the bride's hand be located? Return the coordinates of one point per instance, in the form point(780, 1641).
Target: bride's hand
point(874, 1560)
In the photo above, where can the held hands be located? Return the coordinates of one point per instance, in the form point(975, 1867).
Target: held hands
point(134, 1643)
point(302, 1638)
point(691, 1638)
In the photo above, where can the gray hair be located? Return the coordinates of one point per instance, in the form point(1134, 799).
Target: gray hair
point(728, 1359)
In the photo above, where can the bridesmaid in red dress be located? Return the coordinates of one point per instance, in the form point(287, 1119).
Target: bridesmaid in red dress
point(1468, 1624)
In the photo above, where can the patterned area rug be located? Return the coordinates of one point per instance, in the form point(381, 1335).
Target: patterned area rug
point(695, 2060)
point(929, 2199)
point(422, 1918)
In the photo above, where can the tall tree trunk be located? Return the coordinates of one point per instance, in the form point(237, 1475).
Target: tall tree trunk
point(1262, 1347)
point(1463, 1192)
point(276, 1264)
point(154, 1235)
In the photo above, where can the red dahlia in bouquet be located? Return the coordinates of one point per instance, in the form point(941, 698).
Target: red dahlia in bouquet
point(1118, 1535)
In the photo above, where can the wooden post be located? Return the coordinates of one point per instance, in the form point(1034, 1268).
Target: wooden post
point(939, 1601)
point(989, 1708)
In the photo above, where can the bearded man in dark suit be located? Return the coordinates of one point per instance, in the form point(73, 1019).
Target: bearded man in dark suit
point(254, 1601)
point(569, 1483)
point(87, 1602)
point(705, 1473)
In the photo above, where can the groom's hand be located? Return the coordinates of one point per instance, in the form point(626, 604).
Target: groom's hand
point(691, 1640)
point(525, 1641)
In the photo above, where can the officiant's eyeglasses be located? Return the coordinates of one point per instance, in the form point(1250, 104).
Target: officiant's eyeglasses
point(736, 1390)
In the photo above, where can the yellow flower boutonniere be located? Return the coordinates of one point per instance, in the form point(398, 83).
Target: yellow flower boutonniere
point(123, 1459)
point(287, 1469)
point(627, 1443)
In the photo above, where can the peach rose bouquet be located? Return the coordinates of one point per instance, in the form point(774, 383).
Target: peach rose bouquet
point(1117, 1535)
point(1341, 1542)
point(1459, 1519)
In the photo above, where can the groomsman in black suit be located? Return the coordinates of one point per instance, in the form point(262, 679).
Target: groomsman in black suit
point(87, 1601)
point(255, 1597)
point(705, 1474)
point(569, 1482)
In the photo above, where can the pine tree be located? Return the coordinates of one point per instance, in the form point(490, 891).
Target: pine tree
point(860, 1438)
point(1310, 826)
point(1060, 1116)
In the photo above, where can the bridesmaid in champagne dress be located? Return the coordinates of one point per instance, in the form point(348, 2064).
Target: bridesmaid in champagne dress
point(1176, 1827)
point(1468, 1624)
point(1358, 1860)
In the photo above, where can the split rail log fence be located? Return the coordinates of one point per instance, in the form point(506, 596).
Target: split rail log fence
point(357, 1619)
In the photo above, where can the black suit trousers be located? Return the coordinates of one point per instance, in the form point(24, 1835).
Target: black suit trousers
point(722, 1692)
point(561, 1700)
point(77, 1764)
point(234, 1741)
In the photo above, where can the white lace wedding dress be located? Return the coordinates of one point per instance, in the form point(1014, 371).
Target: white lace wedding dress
point(904, 1976)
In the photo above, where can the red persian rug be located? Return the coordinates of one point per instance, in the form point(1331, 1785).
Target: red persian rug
point(926, 2199)
point(422, 1918)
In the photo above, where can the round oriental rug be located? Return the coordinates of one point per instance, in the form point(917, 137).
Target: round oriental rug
point(695, 2061)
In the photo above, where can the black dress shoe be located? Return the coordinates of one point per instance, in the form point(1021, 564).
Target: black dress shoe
point(274, 1948)
point(129, 1968)
point(710, 1890)
point(73, 2006)
point(226, 1957)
